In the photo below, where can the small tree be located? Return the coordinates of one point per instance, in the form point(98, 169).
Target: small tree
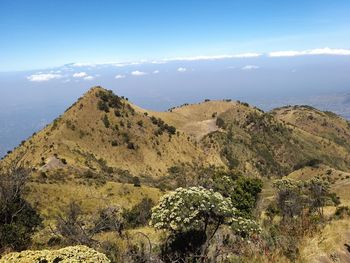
point(198, 211)
point(18, 219)
point(290, 199)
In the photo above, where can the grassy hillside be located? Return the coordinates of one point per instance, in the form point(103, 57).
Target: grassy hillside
point(259, 143)
point(103, 132)
point(323, 124)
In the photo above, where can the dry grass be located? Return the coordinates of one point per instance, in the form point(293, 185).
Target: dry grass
point(79, 135)
point(328, 245)
point(52, 199)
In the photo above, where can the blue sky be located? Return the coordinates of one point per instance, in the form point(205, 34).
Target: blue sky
point(39, 34)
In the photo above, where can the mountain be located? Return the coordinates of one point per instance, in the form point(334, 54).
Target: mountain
point(105, 133)
point(106, 151)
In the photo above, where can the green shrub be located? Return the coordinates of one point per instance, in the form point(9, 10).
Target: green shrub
point(18, 219)
point(103, 106)
point(140, 214)
point(106, 121)
point(342, 211)
point(136, 181)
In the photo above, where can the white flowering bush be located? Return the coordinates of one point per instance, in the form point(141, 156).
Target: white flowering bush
point(193, 216)
point(192, 208)
point(244, 227)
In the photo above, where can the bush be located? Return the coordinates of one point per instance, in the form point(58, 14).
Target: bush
point(342, 211)
point(310, 163)
point(136, 181)
point(183, 245)
point(171, 130)
point(246, 193)
point(131, 146)
point(102, 105)
point(140, 214)
point(196, 214)
point(106, 121)
point(76, 227)
point(140, 123)
point(18, 219)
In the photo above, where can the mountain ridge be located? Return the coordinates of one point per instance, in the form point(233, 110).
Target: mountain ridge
point(102, 131)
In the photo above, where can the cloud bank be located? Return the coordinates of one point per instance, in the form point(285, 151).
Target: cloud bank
point(194, 58)
point(80, 75)
point(317, 51)
point(43, 77)
point(283, 53)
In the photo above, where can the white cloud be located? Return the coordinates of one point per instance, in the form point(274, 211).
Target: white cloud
point(285, 53)
point(216, 57)
point(156, 72)
point(138, 73)
point(89, 78)
point(158, 62)
point(250, 67)
point(83, 64)
point(317, 51)
point(43, 77)
point(80, 75)
point(55, 71)
point(120, 76)
point(247, 55)
point(181, 69)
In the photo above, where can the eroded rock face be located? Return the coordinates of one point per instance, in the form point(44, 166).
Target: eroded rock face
point(73, 254)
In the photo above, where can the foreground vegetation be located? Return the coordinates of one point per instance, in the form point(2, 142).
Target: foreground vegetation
point(218, 221)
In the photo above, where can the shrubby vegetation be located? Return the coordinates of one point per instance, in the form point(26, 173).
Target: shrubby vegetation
point(163, 126)
point(140, 214)
point(299, 207)
point(18, 219)
point(193, 216)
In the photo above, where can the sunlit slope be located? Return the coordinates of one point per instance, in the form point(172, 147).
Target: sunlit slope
point(323, 124)
point(259, 143)
point(96, 134)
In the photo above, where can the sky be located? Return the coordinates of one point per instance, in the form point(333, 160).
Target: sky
point(161, 54)
point(40, 34)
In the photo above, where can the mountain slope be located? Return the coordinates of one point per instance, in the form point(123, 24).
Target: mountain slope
point(323, 124)
point(103, 132)
point(254, 142)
